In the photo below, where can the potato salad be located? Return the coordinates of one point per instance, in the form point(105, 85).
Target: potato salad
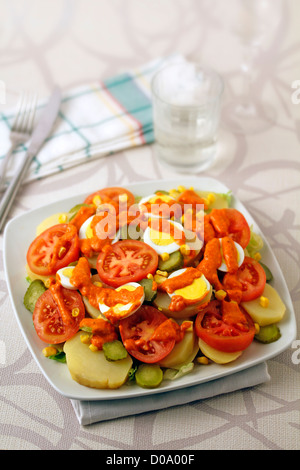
point(128, 289)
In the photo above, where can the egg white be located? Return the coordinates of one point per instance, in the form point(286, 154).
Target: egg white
point(241, 256)
point(145, 199)
point(85, 226)
point(65, 279)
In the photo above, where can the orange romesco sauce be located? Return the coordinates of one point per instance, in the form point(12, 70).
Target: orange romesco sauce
point(170, 330)
point(211, 261)
point(81, 279)
point(102, 331)
point(95, 244)
point(182, 280)
point(84, 213)
point(220, 221)
point(170, 285)
point(230, 254)
point(56, 291)
point(189, 196)
point(164, 208)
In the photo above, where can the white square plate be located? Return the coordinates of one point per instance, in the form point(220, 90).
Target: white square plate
point(19, 233)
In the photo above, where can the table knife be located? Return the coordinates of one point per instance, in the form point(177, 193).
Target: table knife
point(41, 132)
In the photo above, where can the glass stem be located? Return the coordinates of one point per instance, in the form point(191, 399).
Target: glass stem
point(247, 69)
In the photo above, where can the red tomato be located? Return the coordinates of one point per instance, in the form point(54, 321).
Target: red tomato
point(53, 249)
point(112, 194)
point(126, 261)
point(53, 323)
point(238, 228)
point(225, 326)
point(136, 332)
point(251, 277)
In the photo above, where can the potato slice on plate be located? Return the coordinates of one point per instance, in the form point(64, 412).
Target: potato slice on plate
point(268, 314)
point(92, 369)
point(183, 352)
point(219, 357)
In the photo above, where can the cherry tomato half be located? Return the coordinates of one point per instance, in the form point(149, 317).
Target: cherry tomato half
point(250, 276)
point(53, 323)
point(53, 249)
point(126, 261)
point(225, 326)
point(136, 332)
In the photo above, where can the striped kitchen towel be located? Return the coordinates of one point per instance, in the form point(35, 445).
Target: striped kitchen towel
point(95, 120)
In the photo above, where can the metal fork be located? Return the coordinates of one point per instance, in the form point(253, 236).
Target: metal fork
point(21, 129)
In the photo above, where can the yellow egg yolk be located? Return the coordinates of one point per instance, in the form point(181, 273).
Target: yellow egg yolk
point(89, 231)
point(194, 291)
point(67, 272)
point(161, 238)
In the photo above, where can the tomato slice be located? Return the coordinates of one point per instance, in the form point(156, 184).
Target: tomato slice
point(136, 332)
point(250, 278)
point(112, 194)
point(52, 317)
point(126, 261)
point(53, 249)
point(225, 326)
point(231, 222)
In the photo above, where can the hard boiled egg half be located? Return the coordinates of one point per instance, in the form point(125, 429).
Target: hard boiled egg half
point(156, 205)
point(239, 253)
point(86, 231)
point(64, 275)
point(195, 294)
point(162, 238)
point(120, 310)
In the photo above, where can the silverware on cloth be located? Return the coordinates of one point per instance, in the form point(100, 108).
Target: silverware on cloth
point(39, 135)
point(22, 128)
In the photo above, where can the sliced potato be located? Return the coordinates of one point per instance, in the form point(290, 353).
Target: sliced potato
point(92, 369)
point(183, 352)
point(50, 221)
point(214, 355)
point(163, 300)
point(264, 316)
point(32, 276)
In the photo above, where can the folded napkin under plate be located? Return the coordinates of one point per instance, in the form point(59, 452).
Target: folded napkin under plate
point(95, 120)
point(89, 412)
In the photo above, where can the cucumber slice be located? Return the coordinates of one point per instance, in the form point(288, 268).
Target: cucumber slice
point(114, 351)
point(76, 208)
point(174, 262)
point(149, 375)
point(269, 275)
point(34, 291)
point(131, 232)
point(150, 294)
point(268, 334)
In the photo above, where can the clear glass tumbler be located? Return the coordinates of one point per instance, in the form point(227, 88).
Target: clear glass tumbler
point(186, 113)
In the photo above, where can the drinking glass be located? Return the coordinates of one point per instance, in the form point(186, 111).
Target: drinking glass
point(186, 113)
point(254, 22)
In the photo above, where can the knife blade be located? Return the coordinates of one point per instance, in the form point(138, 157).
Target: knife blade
point(45, 123)
point(39, 135)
